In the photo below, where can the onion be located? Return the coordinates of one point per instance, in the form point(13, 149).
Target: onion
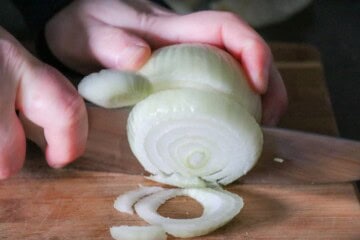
point(125, 202)
point(114, 89)
point(219, 208)
point(137, 233)
point(195, 134)
point(201, 67)
point(194, 125)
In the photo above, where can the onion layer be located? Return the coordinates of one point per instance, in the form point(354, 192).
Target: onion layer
point(203, 67)
point(125, 202)
point(178, 180)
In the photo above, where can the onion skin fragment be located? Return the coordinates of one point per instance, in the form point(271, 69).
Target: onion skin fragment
point(138, 233)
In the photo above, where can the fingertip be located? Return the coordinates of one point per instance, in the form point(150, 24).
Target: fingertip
point(275, 100)
point(59, 158)
point(133, 57)
point(67, 142)
point(256, 58)
point(116, 48)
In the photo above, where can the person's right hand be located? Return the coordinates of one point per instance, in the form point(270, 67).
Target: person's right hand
point(45, 97)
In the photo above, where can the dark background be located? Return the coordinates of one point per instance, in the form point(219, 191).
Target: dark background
point(333, 27)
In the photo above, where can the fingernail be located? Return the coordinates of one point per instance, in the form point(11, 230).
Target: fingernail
point(263, 77)
point(133, 57)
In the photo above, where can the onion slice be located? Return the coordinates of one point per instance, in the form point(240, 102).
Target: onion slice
point(138, 233)
point(114, 89)
point(125, 202)
point(219, 208)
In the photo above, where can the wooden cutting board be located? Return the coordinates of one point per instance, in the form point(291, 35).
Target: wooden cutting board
point(79, 205)
point(41, 203)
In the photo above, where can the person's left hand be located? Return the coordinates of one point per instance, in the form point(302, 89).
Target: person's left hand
point(90, 35)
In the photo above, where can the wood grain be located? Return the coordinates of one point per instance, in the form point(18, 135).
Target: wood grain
point(309, 107)
point(67, 204)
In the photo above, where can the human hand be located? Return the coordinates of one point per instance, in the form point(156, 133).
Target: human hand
point(89, 35)
point(46, 98)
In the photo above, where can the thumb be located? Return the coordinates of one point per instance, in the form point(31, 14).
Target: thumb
point(106, 47)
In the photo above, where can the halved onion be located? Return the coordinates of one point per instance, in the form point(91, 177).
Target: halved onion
point(138, 233)
point(125, 202)
point(114, 89)
point(219, 208)
point(194, 133)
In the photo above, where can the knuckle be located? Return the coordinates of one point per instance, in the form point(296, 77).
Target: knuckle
point(10, 54)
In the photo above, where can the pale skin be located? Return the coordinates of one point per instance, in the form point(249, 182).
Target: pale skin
point(91, 35)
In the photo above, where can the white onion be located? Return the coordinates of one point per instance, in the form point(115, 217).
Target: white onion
point(201, 67)
point(195, 134)
point(114, 89)
point(125, 202)
point(138, 233)
point(219, 208)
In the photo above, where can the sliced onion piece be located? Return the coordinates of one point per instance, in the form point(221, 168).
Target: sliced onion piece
point(201, 67)
point(114, 89)
point(138, 233)
point(178, 180)
point(219, 208)
point(125, 202)
point(194, 133)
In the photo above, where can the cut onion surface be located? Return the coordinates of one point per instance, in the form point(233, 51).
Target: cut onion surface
point(124, 203)
point(138, 233)
point(194, 133)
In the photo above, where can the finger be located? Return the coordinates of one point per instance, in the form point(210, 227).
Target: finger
point(106, 47)
point(275, 100)
point(47, 99)
point(12, 138)
point(225, 30)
